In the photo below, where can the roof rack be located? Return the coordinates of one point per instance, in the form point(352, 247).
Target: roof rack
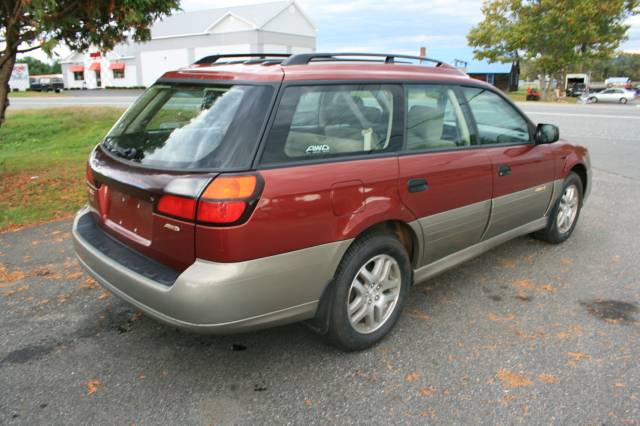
point(260, 57)
point(389, 58)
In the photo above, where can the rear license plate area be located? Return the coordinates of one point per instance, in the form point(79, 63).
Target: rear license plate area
point(130, 216)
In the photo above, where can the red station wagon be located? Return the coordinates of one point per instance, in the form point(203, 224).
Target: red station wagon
point(248, 191)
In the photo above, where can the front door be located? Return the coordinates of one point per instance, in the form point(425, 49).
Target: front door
point(522, 171)
point(98, 79)
point(443, 179)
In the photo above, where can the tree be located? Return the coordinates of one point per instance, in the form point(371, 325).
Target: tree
point(27, 25)
point(622, 65)
point(36, 66)
point(552, 35)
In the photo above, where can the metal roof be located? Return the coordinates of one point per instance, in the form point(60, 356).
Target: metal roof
point(200, 21)
point(485, 67)
point(617, 80)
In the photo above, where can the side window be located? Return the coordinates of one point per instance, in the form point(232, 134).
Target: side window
point(435, 119)
point(497, 121)
point(332, 121)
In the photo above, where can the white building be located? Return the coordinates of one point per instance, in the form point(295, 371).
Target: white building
point(180, 40)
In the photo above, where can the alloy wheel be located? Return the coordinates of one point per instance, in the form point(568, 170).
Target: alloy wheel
point(374, 293)
point(568, 209)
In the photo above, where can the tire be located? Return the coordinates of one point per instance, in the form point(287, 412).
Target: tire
point(623, 100)
point(344, 330)
point(557, 230)
point(593, 100)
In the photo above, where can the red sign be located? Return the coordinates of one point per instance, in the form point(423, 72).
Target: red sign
point(94, 54)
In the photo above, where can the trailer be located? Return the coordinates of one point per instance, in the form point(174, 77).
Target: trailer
point(576, 84)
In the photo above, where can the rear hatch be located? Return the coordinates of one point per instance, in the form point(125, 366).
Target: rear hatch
point(146, 176)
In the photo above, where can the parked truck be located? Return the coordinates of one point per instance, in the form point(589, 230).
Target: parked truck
point(46, 83)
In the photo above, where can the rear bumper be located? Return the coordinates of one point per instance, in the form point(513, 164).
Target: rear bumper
point(222, 298)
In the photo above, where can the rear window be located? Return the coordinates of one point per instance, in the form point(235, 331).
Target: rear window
point(321, 122)
point(192, 127)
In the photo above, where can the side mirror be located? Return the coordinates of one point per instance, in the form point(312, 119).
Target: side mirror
point(547, 133)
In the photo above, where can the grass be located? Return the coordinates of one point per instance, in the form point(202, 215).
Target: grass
point(31, 94)
point(43, 154)
point(521, 96)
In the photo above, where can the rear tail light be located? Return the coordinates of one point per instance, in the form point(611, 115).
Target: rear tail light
point(231, 187)
point(221, 211)
point(227, 200)
point(180, 207)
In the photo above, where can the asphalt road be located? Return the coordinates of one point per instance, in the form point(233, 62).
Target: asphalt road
point(527, 333)
point(111, 98)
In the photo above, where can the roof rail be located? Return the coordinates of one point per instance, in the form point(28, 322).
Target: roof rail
point(264, 56)
point(389, 58)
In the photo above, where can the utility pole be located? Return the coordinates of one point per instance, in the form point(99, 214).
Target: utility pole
point(423, 52)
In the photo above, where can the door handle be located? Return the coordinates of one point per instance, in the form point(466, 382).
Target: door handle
point(417, 185)
point(504, 170)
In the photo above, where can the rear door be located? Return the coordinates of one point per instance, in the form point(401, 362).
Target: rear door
point(125, 201)
point(522, 171)
point(443, 178)
point(329, 165)
point(151, 168)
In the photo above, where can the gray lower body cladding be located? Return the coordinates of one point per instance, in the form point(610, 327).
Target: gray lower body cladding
point(454, 236)
point(220, 298)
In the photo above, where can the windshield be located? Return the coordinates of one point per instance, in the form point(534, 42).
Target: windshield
point(192, 127)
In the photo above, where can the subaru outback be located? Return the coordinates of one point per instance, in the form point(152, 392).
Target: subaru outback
point(254, 190)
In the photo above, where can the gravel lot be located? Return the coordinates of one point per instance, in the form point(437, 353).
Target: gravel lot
point(528, 332)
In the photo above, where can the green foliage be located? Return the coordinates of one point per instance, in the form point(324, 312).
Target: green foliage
point(622, 65)
point(551, 34)
point(37, 67)
point(43, 154)
point(79, 24)
point(41, 138)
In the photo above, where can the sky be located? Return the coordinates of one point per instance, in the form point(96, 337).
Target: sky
point(399, 26)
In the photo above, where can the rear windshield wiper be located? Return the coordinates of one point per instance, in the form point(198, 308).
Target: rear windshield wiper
point(126, 153)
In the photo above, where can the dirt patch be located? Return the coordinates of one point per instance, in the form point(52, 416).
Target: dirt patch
point(8, 277)
point(512, 380)
point(496, 317)
point(612, 311)
point(547, 378)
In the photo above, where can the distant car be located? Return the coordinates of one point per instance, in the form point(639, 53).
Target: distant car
point(617, 95)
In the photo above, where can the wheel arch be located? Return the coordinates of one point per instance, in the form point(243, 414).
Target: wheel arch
point(581, 171)
point(406, 234)
point(409, 236)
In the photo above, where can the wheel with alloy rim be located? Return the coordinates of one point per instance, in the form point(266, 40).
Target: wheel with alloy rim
point(374, 293)
point(368, 291)
point(568, 209)
point(565, 213)
point(623, 100)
